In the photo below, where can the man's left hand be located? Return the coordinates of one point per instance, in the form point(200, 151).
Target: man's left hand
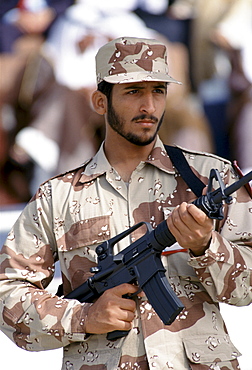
point(191, 227)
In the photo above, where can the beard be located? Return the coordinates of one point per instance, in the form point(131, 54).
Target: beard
point(117, 123)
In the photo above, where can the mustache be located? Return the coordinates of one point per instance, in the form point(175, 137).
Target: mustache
point(145, 116)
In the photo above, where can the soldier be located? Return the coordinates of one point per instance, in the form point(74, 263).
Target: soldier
point(130, 179)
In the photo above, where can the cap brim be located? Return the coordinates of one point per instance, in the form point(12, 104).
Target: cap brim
point(130, 77)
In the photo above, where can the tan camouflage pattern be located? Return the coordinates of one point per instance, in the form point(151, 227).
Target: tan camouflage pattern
point(74, 212)
point(129, 59)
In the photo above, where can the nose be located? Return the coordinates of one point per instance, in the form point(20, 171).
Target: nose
point(148, 104)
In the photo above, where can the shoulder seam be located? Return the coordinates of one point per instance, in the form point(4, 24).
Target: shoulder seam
point(204, 154)
point(66, 172)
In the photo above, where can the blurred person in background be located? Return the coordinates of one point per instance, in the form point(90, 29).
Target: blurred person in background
point(27, 17)
point(233, 35)
point(222, 74)
point(24, 26)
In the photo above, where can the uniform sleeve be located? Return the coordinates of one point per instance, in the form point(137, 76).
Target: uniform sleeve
point(30, 316)
point(226, 268)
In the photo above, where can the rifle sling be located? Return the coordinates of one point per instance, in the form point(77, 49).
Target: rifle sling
point(179, 161)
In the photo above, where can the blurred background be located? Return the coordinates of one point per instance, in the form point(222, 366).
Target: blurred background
point(47, 75)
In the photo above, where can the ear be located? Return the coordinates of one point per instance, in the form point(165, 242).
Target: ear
point(99, 101)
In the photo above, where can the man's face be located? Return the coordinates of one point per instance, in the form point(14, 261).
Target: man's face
point(135, 110)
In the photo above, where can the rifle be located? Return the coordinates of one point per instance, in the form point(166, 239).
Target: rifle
point(140, 262)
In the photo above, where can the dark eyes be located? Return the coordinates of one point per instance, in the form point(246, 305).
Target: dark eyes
point(157, 90)
point(131, 92)
point(160, 91)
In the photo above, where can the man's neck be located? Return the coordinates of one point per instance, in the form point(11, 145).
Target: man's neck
point(125, 156)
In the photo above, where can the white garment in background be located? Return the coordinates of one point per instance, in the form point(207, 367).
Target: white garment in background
point(90, 17)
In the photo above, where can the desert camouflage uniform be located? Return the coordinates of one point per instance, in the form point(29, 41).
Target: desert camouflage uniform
point(71, 214)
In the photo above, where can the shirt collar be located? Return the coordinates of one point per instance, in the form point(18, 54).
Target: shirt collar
point(99, 164)
point(159, 158)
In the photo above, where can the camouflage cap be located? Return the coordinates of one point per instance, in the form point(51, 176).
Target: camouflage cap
point(131, 59)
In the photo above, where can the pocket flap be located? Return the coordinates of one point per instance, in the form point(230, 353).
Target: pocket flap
point(85, 233)
point(208, 349)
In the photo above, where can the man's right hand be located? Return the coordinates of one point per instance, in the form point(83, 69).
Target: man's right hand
point(112, 312)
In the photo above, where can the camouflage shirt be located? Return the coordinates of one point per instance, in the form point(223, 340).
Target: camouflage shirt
point(71, 214)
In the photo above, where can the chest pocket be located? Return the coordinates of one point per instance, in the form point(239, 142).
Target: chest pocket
point(85, 233)
point(76, 249)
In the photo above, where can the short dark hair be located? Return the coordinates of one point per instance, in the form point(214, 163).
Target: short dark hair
point(106, 88)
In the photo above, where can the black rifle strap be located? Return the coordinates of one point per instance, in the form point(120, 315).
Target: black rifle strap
point(179, 161)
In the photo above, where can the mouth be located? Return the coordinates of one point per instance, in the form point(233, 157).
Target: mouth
point(145, 121)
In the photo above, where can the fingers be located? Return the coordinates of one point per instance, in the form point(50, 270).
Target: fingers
point(124, 289)
point(111, 311)
point(187, 217)
point(188, 214)
point(126, 316)
point(190, 226)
